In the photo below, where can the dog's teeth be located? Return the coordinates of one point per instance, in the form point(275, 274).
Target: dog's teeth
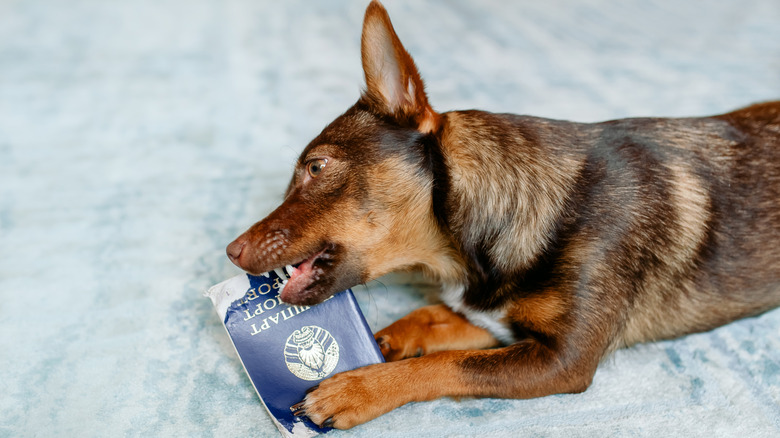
point(280, 273)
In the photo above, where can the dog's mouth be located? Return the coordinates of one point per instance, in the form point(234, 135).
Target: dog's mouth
point(306, 285)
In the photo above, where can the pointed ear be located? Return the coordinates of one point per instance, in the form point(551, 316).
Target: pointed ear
point(393, 85)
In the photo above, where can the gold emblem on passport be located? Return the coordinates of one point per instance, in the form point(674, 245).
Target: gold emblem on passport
point(311, 353)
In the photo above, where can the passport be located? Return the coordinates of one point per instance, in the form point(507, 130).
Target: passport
point(287, 349)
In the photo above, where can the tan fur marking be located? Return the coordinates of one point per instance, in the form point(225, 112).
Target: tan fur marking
point(539, 312)
point(430, 121)
point(400, 231)
point(692, 205)
point(663, 308)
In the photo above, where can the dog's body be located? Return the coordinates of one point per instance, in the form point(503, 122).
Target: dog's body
point(557, 242)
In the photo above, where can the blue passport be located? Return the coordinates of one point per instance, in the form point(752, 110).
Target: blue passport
point(287, 349)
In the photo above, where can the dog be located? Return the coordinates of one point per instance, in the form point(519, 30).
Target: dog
point(555, 242)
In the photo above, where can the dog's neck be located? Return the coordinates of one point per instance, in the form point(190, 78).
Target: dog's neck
point(526, 207)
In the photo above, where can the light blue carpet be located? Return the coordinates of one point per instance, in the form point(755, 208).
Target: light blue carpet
point(138, 138)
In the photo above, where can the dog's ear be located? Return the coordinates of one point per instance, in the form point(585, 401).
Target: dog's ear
point(393, 85)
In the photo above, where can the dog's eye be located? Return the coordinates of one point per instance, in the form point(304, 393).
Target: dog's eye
point(315, 167)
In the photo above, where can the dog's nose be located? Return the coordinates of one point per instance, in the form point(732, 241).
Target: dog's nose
point(234, 251)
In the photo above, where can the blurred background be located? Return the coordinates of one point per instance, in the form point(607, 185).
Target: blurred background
point(138, 138)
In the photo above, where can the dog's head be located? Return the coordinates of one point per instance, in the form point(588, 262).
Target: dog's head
point(360, 201)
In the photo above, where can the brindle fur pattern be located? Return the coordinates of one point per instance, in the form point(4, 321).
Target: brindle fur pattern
point(557, 242)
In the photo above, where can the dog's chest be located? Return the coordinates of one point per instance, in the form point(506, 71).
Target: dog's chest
point(494, 321)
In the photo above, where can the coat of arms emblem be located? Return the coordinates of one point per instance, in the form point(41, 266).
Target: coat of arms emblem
point(311, 353)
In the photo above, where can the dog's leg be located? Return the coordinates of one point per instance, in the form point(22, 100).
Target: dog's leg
point(431, 329)
point(526, 369)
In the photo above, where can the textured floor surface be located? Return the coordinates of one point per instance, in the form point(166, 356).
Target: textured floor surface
point(137, 138)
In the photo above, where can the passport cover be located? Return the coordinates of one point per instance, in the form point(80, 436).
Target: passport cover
point(287, 349)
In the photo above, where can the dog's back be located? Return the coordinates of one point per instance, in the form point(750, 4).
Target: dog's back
point(682, 212)
point(709, 248)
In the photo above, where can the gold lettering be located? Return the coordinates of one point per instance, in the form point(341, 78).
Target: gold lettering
point(271, 303)
point(251, 294)
point(264, 289)
point(286, 311)
point(258, 310)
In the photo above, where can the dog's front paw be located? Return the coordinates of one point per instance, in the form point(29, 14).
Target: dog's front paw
point(395, 347)
point(348, 399)
point(410, 335)
point(428, 330)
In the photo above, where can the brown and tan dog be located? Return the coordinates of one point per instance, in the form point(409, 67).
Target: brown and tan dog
point(555, 242)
